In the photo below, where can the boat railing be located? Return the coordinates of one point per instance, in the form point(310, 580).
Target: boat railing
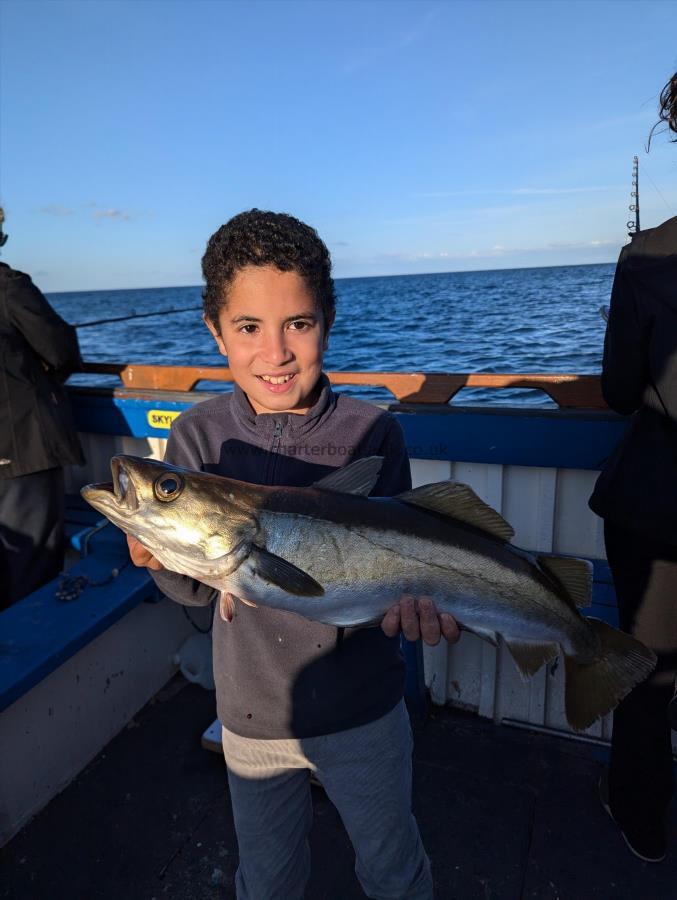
point(569, 391)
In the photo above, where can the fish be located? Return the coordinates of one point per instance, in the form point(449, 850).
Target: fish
point(332, 554)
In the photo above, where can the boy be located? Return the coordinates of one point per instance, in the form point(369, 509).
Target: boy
point(294, 695)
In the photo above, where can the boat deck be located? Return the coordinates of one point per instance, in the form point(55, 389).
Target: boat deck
point(505, 813)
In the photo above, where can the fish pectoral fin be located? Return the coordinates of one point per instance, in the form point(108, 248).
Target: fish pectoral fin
point(284, 574)
point(530, 657)
point(459, 501)
point(575, 576)
point(484, 633)
point(359, 477)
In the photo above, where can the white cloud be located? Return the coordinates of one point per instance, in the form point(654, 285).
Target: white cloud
point(497, 250)
point(520, 192)
point(55, 209)
point(117, 215)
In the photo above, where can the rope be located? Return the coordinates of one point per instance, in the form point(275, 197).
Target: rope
point(194, 623)
point(71, 586)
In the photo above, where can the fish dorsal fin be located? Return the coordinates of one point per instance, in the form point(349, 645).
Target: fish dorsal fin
point(575, 576)
point(458, 501)
point(357, 478)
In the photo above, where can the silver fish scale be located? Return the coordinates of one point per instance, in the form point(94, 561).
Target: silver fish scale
point(364, 571)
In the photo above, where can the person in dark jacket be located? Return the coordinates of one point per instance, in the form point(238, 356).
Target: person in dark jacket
point(636, 494)
point(38, 351)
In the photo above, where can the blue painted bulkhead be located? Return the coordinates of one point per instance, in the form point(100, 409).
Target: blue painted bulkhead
point(572, 439)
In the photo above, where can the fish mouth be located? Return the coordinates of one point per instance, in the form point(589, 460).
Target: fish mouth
point(119, 493)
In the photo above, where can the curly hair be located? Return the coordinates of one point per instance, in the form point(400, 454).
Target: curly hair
point(667, 108)
point(259, 238)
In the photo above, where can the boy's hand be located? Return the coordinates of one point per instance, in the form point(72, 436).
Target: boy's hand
point(417, 618)
point(142, 557)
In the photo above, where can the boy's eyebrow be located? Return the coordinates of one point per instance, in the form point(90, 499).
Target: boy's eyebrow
point(301, 315)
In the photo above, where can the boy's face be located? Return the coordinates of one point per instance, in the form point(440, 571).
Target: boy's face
point(272, 332)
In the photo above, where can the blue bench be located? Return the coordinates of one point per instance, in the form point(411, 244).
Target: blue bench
point(41, 632)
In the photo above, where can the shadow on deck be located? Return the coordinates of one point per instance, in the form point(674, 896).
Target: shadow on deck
point(504, 813)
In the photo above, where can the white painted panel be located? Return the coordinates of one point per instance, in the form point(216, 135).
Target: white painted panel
point(486, 479)
point(529, 505)
point(428, 471)
point(577, 529)
point(435, 661)
point(512, 692)
point(489, 675)
point(92, 695)
point(465, 672)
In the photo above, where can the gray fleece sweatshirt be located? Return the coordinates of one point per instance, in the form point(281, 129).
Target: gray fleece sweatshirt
point(278, 675)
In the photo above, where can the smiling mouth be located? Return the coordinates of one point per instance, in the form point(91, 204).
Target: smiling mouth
point(277, 379)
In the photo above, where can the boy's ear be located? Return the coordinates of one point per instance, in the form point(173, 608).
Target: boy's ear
point(216, 334)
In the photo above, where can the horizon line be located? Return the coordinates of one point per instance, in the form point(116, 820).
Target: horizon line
point(170, 287)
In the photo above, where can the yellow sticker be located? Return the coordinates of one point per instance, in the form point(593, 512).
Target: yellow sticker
point(162, 418)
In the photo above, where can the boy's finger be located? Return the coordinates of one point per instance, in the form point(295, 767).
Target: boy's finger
point(141, 556)
point(391, 621)
point(429, 622)
point(409, 618)
point(450, 629)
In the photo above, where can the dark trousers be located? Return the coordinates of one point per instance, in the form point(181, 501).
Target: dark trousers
point(31, 532)
point(641, 777)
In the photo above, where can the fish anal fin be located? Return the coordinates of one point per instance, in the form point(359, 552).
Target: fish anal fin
point(530, 657)
point(283, 574)
point(359, 477)
point(459, 501)
point(575, 576)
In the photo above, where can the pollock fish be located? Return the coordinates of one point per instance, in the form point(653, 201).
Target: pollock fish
point(334, 555)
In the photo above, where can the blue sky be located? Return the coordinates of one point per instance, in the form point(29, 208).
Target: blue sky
point(416, 137)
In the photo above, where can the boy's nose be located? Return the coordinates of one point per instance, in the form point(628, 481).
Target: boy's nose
point(275, 350)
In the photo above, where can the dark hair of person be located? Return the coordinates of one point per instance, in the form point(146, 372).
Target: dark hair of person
point(259, 238)
point(667, 108)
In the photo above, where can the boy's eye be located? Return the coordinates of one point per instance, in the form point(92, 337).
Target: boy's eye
point(248, 328)
point(299, 325)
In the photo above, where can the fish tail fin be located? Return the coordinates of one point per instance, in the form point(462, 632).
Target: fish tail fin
point(594, 689)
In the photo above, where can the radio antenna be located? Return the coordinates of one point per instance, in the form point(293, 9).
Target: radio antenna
point(633, 227)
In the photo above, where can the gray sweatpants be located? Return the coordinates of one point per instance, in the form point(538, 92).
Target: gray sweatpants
point(366, 773)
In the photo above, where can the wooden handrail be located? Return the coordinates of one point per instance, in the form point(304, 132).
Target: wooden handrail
point(567, 390)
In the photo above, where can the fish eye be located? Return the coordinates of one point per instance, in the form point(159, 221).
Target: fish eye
point(168, 487)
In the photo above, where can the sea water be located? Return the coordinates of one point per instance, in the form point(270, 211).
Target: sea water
point(504, 320)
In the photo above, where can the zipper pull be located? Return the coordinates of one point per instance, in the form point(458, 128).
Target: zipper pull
point(278, 430)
